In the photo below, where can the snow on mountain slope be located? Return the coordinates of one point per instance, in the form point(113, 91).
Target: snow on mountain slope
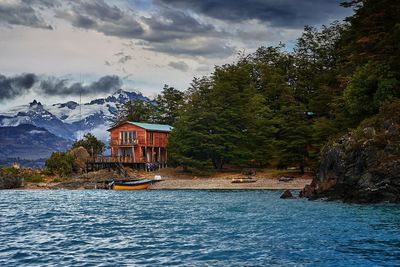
point(66, 119)
point(15, 110)
point(68, 115)
point(36, 114)
point(14, 121)
point(47, 128)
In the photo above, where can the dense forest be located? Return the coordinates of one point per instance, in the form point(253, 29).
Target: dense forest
point(278, 108)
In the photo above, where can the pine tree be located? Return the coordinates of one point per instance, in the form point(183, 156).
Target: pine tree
point(168, 104)
point(138, 110)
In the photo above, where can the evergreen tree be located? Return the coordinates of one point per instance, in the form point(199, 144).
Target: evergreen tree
point(370, 86)
point(92, 145)
point(188, 142)
point(277, 107)
point(138, 110)
point(168, 104)
point(371, 52)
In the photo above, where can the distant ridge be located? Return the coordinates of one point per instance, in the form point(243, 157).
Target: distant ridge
point(29, 142)
point(46, 128)
point(63, 119)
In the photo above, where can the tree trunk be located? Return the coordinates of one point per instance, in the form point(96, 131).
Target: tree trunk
point(218, 163)
point(302, 169)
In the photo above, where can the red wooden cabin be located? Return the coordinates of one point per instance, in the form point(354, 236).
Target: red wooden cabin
point(136, 142)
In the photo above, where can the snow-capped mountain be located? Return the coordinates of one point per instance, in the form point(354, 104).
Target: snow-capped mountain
point(67, 119)
point(29, 142)
point(30, 133)
point(36, 114)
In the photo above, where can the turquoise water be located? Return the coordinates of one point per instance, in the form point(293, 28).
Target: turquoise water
point(192, 228)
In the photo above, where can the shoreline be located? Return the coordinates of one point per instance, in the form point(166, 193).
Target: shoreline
point(184, 184)
point(171, 179)
point(226, 184)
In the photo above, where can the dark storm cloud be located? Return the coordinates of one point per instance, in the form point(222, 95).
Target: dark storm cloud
point(125, 28)
point(181, 27)
point(100, 10)
point(170, 24)
point(42, 3)
point(179, 65)
point(168, 30)
point(283, 13)
point(22, 14)
point(83, 22)
point(105, 84)
point(98, 16)
point(164, 25)
point(206, 47)
point(10, 87)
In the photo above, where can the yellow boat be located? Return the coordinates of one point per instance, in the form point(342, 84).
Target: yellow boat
point(243, 180)
point(133, 185)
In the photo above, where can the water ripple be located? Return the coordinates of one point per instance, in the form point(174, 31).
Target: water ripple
point(192, 228)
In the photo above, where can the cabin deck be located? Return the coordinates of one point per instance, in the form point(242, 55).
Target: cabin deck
point(111, 162)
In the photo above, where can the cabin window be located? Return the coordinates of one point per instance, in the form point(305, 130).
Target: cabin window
point(151, 138)
point(130, 137)
point(123, 136)
point(126, 137)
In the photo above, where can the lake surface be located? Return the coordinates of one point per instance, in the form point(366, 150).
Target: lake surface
point(192, 228)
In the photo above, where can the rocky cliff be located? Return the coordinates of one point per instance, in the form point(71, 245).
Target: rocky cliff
point(364, 165)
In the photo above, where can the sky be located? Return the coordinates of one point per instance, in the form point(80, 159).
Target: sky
point(56, 50)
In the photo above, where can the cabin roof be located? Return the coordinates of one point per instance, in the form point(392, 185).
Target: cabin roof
point(153, 126)
point(147, 126)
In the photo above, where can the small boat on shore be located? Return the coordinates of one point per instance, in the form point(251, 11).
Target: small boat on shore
point(131, 185)
point(243, 180)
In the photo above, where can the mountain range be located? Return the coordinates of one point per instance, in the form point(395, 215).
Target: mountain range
point(47, 128)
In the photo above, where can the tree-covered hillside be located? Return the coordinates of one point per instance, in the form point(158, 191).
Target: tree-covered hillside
point(278, 107)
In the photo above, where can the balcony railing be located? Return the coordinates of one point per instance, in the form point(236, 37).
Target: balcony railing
point(124, 142)
point(112, 159)
point(115, 159)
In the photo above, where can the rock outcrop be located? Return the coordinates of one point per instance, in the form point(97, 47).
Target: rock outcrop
point(286, 194)
point(362, 166)
point(80, 156)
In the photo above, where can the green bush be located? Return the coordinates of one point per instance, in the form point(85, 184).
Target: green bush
point(34, 178)
point(93, 145)
point(60, 163)
point(56, 180)
point(10, 178)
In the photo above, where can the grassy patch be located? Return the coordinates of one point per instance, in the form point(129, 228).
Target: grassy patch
point(33, 178)
point(276, 171)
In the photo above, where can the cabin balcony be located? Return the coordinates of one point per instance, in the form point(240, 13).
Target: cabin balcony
point(112, 162)
point(124, 142)
point(115, 159)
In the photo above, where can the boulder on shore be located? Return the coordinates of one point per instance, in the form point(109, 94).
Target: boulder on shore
point(80, 156)
point(287, 194)
point(362, 166)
